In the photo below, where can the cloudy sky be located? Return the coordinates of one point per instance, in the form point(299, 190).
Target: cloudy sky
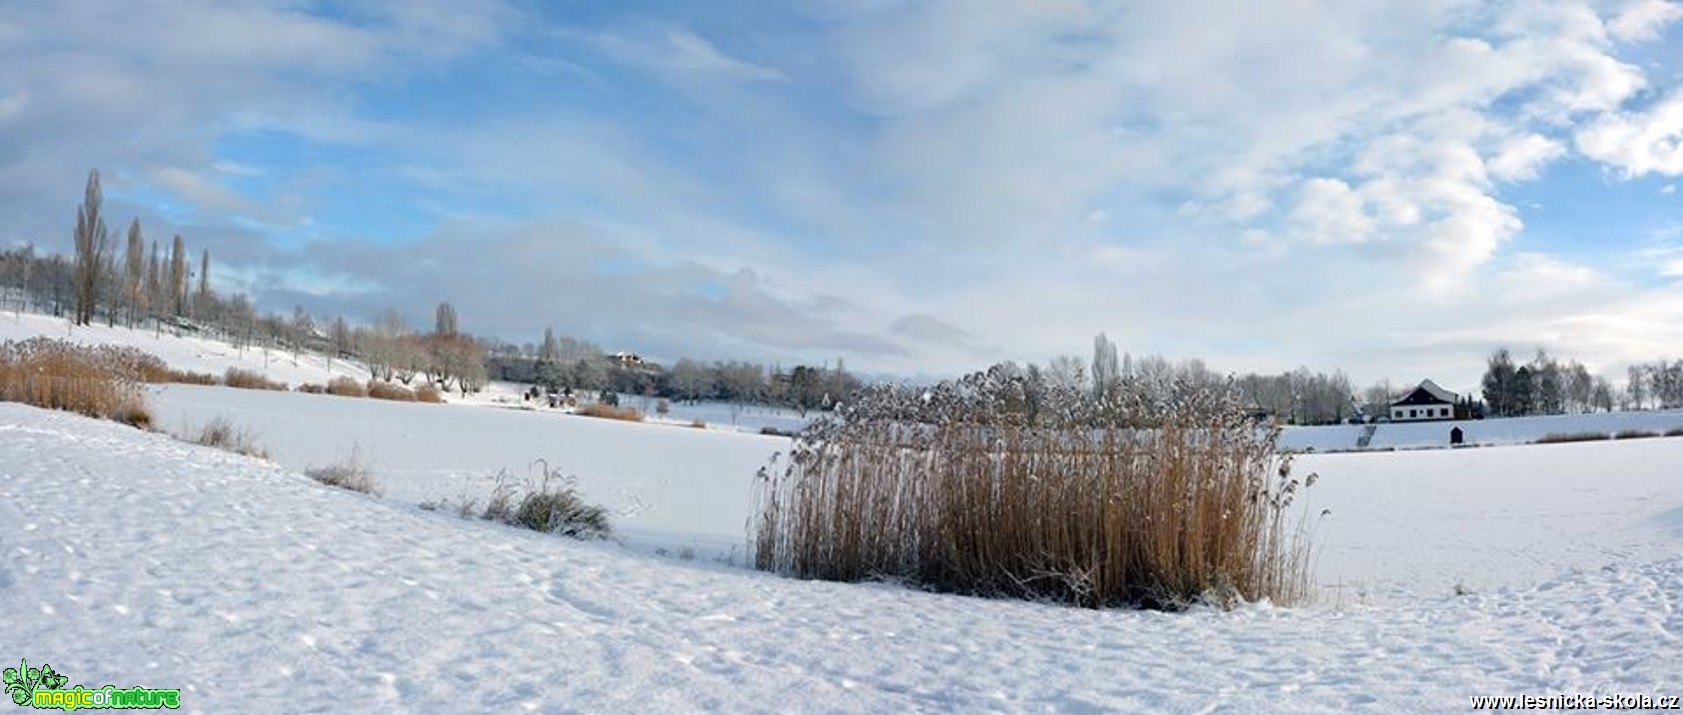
point(1390, 188)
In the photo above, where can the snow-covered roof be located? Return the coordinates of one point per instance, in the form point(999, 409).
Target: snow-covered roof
point(1432, 393)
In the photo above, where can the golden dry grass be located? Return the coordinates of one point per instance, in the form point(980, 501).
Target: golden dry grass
point(346, 387)
point(1119, 504)
point(428, 393)
point(387, 391)
point(249, 380)
point(58, 375)
point(187, 377)
point(609, 412)
point(1562, 437)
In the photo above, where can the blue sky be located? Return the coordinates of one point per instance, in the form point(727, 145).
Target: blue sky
point(1389, 188)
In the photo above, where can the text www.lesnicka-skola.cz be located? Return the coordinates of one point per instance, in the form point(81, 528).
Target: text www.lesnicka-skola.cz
point(1615, 701)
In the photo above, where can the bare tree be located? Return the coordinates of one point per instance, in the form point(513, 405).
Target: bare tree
point(445, 321)
point(1106, 369)
point(201, 302)
point(92, 241)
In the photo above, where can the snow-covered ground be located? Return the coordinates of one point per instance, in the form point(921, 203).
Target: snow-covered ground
point(1510, 430)
point(133, 559)
point(671, 487)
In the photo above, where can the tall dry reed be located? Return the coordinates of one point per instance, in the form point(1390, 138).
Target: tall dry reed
point(94, 381)
point(1000, 486)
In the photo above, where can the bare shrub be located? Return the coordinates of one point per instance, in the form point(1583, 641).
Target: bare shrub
point(249, 380)
point(610, 412)
point(428, 393)
point(222, 434)
point(346, 387)
point(58, 375)
point(1560, 437)
point(387, 391)
point(311, 388)
point(349, 473)
point(663, 407)
point(1634, 434)
point(988, 487)
point(775, 432)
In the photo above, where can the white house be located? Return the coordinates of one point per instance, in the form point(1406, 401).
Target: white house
point(1426, 402)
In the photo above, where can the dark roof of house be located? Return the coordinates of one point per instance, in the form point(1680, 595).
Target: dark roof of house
point(1428, 393)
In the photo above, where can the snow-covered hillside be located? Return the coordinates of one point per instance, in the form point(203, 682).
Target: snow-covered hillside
point(186, 352)
point(133, 559)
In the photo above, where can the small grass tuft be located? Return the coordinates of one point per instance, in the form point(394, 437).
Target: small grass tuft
point(553, 507)
point(311, 388)
point(222, 434)
point(349, 473)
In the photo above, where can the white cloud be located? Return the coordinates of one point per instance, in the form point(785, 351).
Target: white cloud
point(681, 55)
point(1642, 19)
point(1522, 158)
point(1648, 141)
point(1329, 211)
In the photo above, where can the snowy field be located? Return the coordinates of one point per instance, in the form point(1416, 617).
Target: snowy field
point(134, 559)
point(671, 487)
point(1510, 430)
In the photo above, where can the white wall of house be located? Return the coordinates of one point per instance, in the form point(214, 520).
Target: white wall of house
point(1421, 413)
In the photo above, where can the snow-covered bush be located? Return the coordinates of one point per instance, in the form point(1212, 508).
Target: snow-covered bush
point(1002, 486)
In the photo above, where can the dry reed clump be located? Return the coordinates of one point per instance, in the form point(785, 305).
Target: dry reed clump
point(346, 387)
point(698, 424)
point(1562, 437)
point(188, 377)
point(249, 380)
point(610, 412)
point(387, 391)
point(222, 434)
point(1635, 434)
point(996, 486)
point(93, 381)
point(428, 393)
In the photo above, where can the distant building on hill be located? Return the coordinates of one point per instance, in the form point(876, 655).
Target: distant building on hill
point(1426, 402)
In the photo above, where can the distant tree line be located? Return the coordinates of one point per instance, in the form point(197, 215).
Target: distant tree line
point(147, 287)
point(1544, 386)
point(566, 364)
